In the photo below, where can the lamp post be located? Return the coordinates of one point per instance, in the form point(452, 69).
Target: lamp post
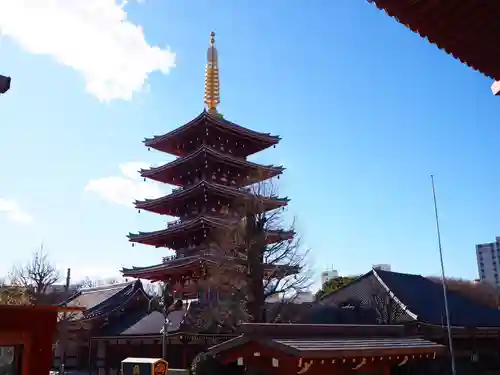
point(168, 307)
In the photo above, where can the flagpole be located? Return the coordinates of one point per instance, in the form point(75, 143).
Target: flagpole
point(443, 280)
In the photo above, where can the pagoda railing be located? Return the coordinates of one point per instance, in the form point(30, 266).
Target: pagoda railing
point(173, 223)
point(169, 258)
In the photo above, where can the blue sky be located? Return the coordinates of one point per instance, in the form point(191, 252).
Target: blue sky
point(367, 110)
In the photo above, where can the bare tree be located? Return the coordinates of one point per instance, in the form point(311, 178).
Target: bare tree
point(88, 282)
point(36, 275)
point(13, 294)
point(249, 267)
point(154, 289)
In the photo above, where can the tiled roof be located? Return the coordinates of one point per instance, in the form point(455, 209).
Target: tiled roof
point(103, 299)
point(141, 323)
point(227, 125)
point(326, 314)
point(466, 29)
point(332, 346)
point(357, 344)
point(424, 298)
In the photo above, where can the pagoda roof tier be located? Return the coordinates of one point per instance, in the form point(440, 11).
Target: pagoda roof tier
point(189, 267)
point(176, 232)
point(466, 29)
point(175, 266)
point(185, 170)
point(200, 225)
point(216, 130)
point(177, 203)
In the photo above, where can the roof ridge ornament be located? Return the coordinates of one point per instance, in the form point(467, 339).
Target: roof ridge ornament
point(212, 85)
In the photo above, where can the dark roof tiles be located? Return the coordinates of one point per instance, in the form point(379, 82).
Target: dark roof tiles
point(143, 322)
point(424, 298)
point(344, 344)
point(102, 299)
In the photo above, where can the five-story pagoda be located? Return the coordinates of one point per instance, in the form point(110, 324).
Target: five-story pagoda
point(211, 173)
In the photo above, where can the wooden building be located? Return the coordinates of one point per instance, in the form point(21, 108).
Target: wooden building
point(465, 29)
point(277, 349)
point(417, 301)
point(376, 299)
point(212, 174)
point(104, 306)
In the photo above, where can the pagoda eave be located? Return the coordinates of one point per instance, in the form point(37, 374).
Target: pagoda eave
point(180, 266)
point(169, 142)
point(168, 172)
point(466, 29)
point(169, 204)
point(180, 228)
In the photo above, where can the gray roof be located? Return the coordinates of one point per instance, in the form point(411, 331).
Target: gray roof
point(103, 299)
point(143, 323)
point(332, 347)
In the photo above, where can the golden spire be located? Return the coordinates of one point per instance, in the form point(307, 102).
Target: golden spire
point(212, 89)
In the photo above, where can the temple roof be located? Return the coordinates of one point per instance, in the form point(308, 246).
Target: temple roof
point(324, 314)
point(169, 142)
point(329, 341)
point(142, 323)
point(169, 173)
point(466, 29)
point(423, 300)
point(167, 204)
point(104, 299)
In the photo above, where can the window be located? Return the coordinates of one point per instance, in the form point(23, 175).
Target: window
point(10, 360)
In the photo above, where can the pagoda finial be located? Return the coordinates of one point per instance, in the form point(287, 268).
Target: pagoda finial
point(212, 89)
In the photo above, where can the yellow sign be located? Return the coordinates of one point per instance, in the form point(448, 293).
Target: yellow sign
point(136, 370)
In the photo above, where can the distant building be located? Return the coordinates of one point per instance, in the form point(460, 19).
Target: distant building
point(329, 275)
point(60, 288)
point(382, 267)
point(301, 297)
point(488, 261)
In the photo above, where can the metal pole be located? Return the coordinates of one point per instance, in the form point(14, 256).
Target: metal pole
point(166, 322)
point(64, 328)
point(165, 332)
point(443, 281)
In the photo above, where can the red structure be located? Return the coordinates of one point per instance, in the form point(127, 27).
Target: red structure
point(325, 349)
point(26, 334)
point(466, 29)
point(212, 172)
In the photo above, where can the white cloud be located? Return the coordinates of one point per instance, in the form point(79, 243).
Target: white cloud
point(14, 212)
point(125, 188)
point(94, 37)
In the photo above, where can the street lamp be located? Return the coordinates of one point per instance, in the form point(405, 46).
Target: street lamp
point(4, 84)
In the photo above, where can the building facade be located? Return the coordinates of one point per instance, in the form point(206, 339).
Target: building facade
point(488, 261)
point(329, 275)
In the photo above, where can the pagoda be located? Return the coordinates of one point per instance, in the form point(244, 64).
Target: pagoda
point(211, 173)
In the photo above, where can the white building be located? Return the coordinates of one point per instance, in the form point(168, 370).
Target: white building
point(329, 275)
point(301, 297)
point(488, 261)
point(382, 267)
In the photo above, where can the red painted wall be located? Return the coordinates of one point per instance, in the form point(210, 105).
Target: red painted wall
point(32, 327)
